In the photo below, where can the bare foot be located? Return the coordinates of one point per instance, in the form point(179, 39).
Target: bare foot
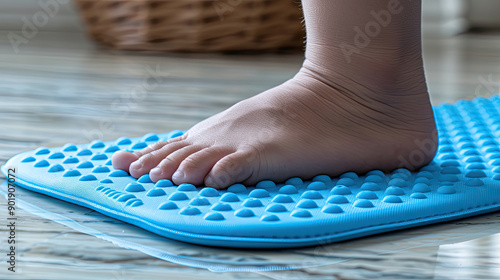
point(304, 127)
point(336, 115)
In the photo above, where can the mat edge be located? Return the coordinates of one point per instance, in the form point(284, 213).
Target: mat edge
point(257, 242)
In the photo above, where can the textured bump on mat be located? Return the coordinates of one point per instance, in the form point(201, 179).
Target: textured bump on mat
point(462, 180)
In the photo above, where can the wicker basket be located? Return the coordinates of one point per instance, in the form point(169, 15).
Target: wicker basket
point(195, 25)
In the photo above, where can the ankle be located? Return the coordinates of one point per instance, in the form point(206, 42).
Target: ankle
point(385, 98)
point(369, 79)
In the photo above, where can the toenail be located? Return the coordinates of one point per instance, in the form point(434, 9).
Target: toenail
point(178, 175)
point(136, 165)
point(155, 171)
point(209, 181)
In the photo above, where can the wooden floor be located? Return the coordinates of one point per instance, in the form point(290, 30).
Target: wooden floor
point(60, 88)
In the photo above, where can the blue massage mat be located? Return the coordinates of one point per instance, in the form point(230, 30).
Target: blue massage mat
point(462, 180)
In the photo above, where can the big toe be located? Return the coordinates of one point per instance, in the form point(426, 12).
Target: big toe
point(233, 168)
point(122, 160)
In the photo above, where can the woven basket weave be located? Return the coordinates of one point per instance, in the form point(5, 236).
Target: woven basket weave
point(194, 25)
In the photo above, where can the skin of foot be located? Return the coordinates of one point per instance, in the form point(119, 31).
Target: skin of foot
point(345, 110)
